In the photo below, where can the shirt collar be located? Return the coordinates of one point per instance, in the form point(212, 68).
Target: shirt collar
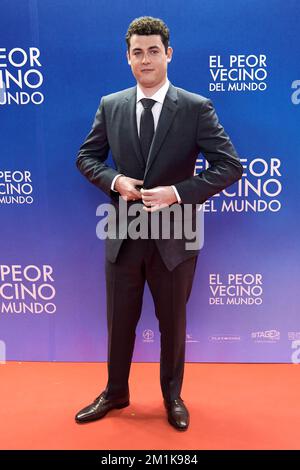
point(159, 95)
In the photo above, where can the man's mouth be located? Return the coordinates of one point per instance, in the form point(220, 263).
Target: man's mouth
point(147, 70)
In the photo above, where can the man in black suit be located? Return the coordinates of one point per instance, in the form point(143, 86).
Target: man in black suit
point(155, 132)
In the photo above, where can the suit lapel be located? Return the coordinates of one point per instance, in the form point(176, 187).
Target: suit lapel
point(131, 126)
point(166, 117)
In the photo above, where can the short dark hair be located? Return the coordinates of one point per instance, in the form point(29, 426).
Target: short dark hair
point(146, 25)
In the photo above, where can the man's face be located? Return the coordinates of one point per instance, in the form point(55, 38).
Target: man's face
point(148, 59)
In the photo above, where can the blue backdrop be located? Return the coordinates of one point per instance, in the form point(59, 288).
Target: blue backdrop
point(57, 59)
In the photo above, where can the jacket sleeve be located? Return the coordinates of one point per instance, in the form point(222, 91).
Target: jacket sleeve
point(215, 145)
point(94, 151)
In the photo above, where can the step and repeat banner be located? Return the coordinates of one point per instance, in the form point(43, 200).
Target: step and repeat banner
point(57, 59)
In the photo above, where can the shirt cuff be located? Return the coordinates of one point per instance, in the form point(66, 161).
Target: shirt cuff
point(113, 182)
point(176, 194)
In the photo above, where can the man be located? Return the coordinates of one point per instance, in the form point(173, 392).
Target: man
point(155, 132)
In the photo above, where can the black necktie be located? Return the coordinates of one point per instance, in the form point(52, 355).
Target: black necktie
point(146, 126)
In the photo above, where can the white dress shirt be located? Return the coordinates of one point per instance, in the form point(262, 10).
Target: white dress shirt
point(159, 97)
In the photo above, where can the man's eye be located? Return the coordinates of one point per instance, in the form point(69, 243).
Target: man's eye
point(152, 52)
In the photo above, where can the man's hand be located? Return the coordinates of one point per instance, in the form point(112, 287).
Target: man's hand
point(157, 198)
point(127, 188)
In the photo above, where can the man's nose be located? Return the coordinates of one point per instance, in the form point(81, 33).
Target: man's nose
point(146, 59)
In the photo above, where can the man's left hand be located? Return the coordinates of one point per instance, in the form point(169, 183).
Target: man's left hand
point(157, 198)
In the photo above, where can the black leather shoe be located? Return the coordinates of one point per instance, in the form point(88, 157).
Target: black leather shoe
point(99, 408)
point(178, 415)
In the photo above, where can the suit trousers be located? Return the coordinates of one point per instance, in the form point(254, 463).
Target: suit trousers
point(139, 261)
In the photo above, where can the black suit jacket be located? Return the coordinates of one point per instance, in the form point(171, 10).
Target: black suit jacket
point(187, 125)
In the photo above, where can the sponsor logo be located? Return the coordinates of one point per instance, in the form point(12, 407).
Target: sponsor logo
point(268, 336)
point(190, 339)
point(148, 336)
point(294, 335)
point(225, 338)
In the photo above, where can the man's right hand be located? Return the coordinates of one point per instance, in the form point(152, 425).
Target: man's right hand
point(127, 188)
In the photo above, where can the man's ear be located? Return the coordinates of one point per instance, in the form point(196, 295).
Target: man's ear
point(128, 58)
point(170, 53)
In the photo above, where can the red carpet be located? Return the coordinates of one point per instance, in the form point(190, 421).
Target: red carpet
point(232, 406)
